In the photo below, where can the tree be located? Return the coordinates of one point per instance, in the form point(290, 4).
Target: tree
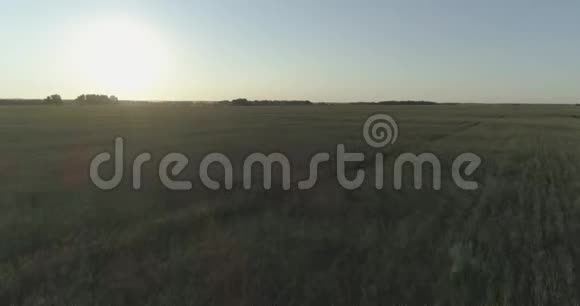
point(96, 99)
point(53, 99)
point(81, 99)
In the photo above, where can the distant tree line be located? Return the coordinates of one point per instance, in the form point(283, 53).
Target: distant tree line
point(99, 99)
point(56, 99)
point(246, 102)
point(96, 99)
point(407, 103)
point(53, 100)
point(398, 103)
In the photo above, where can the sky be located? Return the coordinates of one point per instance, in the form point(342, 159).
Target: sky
point(496, 51)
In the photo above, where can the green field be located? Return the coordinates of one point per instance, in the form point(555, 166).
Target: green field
point(513, 241)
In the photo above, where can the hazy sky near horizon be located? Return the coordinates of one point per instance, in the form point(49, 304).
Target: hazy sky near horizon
point(448, 50)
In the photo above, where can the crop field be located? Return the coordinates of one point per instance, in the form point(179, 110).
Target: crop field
point(514, 240)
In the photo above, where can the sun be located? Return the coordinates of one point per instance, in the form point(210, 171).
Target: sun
point(118, 56)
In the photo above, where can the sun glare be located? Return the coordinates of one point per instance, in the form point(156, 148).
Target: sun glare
point(120, 56)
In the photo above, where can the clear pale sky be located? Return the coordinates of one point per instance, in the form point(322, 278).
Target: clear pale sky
point(447, 50)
